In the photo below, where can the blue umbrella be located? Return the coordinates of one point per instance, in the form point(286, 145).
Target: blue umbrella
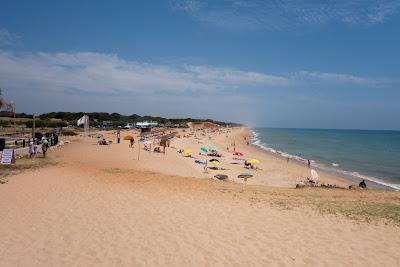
point(204, 149)
point(99, 135)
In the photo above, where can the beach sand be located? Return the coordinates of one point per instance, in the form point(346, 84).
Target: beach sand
point(101, 206)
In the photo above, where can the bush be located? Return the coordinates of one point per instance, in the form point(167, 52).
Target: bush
point(68, 133)
point(46, 123)
point(4, 123)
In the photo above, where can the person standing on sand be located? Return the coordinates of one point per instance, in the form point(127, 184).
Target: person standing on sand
point(308, 163)
point(131, 142)
point(35, 148)
point(45, 145)
point(31, 149)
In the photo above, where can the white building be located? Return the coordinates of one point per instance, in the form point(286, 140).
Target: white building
point(129, 126)
point(146, 124)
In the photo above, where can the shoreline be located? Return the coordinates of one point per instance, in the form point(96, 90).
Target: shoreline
point(325, 169)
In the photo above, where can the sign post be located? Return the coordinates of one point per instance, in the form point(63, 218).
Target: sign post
point(7, 157)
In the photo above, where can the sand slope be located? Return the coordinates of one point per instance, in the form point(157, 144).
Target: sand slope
point(97, 207)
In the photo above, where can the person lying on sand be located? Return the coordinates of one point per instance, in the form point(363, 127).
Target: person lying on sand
point(248, 165)
point(103, 142)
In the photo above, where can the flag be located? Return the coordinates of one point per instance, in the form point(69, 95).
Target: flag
point(83, 121)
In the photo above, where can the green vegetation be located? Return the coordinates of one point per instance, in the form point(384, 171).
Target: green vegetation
point(365, 211)
point(360, 205)
point(97, 118)
point(46, 123)
point(4, 123)
point(365, 205)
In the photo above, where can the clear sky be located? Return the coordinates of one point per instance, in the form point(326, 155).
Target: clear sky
point(319, 64)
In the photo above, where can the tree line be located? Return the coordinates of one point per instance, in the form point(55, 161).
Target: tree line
point(97, 118)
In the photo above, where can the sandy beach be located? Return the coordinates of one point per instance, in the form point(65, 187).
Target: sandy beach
point(109, 206)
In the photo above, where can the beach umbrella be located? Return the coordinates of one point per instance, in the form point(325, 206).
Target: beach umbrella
point(204, 149)
point(147, 142)
point(187, 152)
point(98, 135)
point(253, 161)
point(128, 137)
point(240, 154)
point(245, 175)
point(213, 148)
point(214, 161)
point(221, 176)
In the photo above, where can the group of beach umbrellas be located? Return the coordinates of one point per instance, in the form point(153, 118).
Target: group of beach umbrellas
point(213, 148)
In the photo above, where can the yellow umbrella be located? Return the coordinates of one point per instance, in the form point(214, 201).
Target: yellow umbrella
point(214, 161)
point(253, 161)
point(187, 152)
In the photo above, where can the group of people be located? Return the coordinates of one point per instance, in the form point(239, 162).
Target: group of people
point(33, 148)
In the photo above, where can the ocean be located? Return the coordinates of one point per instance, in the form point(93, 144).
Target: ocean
point(354, 154)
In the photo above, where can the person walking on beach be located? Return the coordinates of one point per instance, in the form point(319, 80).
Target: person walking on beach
point(45, 145)
point(31, 149)
point(308, 163)
point(131, 142)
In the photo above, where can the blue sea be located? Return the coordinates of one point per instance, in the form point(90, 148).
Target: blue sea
point(355, 154)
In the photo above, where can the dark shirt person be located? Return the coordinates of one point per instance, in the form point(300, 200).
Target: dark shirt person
point(362, 184)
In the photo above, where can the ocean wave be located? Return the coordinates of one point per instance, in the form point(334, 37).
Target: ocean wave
point(349, 174)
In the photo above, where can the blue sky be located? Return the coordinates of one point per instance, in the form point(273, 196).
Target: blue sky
point(319, 64)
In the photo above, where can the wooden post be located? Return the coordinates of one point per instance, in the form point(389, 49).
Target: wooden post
point(15, 124)
point(33, 128)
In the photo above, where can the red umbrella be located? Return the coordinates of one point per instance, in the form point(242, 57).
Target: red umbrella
point(238, 154)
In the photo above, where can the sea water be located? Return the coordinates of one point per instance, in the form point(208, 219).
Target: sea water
point(363, 154)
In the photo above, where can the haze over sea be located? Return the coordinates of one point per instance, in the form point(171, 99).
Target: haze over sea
point(368, 154)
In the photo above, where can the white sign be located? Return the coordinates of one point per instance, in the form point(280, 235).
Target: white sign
point(7, 157)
